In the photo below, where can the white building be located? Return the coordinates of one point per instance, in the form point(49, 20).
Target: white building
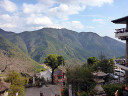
point(45, 74)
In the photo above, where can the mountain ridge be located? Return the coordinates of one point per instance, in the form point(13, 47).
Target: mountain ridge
point(72, 45)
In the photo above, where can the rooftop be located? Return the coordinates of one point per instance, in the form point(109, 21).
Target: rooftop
point(123, 20)
point(4, 86)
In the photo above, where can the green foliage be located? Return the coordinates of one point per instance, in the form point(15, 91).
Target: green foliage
point(12, 51)
point(112, 88)
point(65, 92)
point(83, 93)
point(107, 65)
point(52, 61)
point(75, 47)
point(80, 77)
point(1, 75)
point(14, 89)
point(17, 83)
point(92, 60)
point(39, 70)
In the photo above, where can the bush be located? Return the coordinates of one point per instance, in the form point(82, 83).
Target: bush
point(84, 94)
point(112, 88)
point(65, 92)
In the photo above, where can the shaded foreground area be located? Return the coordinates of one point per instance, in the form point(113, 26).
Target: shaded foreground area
point(49, 90)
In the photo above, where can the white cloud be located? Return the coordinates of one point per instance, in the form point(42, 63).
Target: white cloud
point(45, 13)
point(43, 20)
point(8, 25)
point(63, 11)
point(97, 2)
point(30, 8)
point(61, 8)
point(77, 25)
point(86, 2)
point(6, 17)
point(101, 21)
point(8, 5)
point(40, 20)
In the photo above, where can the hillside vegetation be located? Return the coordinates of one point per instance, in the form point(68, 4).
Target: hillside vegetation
point(73, 46)
point(15, 58)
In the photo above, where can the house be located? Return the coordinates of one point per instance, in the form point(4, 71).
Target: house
point(45, 74)
point(58, 76)
point(4, 87)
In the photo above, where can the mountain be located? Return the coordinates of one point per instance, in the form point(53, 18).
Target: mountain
point(75, 47)
point(15, 59)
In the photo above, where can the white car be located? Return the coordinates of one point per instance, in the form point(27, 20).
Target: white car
point(119, 72)
point(113, 76)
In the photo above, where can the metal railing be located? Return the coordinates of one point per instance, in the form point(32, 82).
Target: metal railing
point(122, 30)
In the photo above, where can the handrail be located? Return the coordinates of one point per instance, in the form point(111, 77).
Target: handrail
point(121, 30)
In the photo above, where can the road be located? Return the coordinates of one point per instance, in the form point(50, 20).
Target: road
point(49, 90)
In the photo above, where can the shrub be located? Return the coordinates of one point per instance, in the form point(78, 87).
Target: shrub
point(112, 88)
point(17, 83)
point(84, 94)
point(65, 92)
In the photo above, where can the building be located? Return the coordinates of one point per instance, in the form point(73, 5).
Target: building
point(45, 74)
point(4, 87)
point(123, 34)
point(58, 76)
point(120, 61)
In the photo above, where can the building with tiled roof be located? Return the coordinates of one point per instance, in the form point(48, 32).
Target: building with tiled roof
point(4, 87)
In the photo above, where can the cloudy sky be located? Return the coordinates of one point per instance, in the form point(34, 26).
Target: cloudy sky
point(78, 15)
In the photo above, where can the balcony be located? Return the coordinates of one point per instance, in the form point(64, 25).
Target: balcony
point(121, 63)
point(121, 33)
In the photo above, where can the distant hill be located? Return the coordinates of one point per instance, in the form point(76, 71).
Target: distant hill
point(15, 58)
point(75, 47)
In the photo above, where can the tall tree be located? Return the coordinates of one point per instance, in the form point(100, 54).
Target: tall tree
point(54, 61)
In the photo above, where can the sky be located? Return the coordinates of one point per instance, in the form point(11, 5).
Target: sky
point(77, 15)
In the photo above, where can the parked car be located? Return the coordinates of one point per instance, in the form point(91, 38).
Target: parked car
point(119, 72)
point(113, 76)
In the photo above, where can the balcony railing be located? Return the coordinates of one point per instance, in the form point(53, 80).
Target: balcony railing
point(122, 30)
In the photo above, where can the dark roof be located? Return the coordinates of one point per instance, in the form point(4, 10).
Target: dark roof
point(4, 86)
point(123, 20)
point(99, 74)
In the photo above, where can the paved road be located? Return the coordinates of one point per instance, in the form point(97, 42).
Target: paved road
point(51, 90)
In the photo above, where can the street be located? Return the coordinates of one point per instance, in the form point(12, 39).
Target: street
point(49, 90)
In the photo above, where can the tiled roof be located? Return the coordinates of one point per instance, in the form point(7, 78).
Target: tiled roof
point(99, 73)
point(4, 86)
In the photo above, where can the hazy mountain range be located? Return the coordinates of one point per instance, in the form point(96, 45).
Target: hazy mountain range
point(73, 46)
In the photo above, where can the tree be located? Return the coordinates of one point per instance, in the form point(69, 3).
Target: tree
point(101, 56)
point(92, 60)
point(80, 77)
point(54, 61)
point(107, 65)
point(17, 83)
